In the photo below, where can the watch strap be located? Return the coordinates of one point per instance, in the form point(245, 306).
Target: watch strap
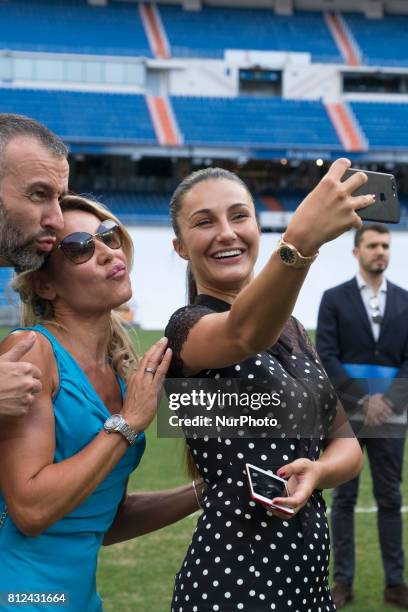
point(129, 433)
point(292, 257)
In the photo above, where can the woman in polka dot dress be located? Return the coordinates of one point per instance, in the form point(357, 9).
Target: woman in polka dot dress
point(242, 555)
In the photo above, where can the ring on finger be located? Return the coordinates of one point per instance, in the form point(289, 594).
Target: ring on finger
point(150, 370)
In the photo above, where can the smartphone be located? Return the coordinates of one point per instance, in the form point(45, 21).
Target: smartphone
point(387, 207)
point(264, 486)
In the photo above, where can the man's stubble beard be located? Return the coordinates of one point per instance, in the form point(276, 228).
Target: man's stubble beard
point(374, 269)
point(14, 246)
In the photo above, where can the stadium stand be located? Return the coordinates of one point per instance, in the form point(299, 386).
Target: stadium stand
point(54, 26)
point(5, 291)
point(255, 121)
point(146, 207)
point(117, 30)
point(123, 118)
point(382, 42)
point(139, 207)
point(83, 116)
point(207, 33)
point(290, 200)
point(385, 124)
point(9, 311)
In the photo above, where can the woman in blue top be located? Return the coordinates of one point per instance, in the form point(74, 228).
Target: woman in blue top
point(65, 465)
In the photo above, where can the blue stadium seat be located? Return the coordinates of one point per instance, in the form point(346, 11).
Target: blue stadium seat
point(82, 116)
point(383, 42)
point(290, 200)
point(255, 121)
point(384, 124)
point(137, 207)
point(7, 296)
point(55, 26)
point(144, 207)
point(207, 33)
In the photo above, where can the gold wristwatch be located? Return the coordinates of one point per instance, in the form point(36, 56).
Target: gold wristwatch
point(291, 256)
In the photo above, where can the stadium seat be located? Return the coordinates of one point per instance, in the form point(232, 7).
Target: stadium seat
point(7, 296)
point(207, 33)
point(137, 207)
point(383, 42)
point(54, 26)
point(255, 121)
point(82, 116)
point(144, 207)
point(384, 124)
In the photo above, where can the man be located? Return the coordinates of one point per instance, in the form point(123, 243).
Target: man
point(362, 339)
point(33, 179)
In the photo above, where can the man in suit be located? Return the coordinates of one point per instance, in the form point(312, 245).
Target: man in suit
point(362, 340)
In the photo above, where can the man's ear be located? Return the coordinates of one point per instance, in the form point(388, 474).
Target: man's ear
point(43, 287)
point(356, 252)
point(180, 248)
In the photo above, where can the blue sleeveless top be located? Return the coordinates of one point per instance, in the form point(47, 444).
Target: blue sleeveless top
point(63, 559)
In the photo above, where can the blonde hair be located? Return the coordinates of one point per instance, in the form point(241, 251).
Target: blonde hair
point(36, 310)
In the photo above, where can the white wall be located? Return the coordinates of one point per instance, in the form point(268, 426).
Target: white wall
point(312, 82)
point(203, 78)
point(158, 276)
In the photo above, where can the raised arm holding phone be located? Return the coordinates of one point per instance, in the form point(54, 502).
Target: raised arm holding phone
point(238, 326)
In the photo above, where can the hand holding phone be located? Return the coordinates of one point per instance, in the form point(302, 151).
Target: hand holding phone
point(387, 207)
point(264, 486)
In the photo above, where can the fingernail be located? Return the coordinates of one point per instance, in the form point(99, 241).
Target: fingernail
point(374, 197)
point(281, 473)
point(164, 339)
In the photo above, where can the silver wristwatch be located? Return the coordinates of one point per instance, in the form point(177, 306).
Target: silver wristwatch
point(117, 424)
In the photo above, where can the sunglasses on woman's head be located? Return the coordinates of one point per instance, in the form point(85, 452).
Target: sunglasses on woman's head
point(79, 247)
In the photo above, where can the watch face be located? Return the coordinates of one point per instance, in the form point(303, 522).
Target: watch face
point(287, 255)
point(113, 421)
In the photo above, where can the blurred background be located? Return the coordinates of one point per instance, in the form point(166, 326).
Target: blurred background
point(144, 93)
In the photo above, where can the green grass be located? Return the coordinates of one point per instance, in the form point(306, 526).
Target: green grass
point(138, 575)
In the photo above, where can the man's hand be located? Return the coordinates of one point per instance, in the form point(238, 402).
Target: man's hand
point(19, 380)
point(376, 410)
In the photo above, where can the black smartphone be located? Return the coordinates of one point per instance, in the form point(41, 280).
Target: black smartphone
point(387, 207)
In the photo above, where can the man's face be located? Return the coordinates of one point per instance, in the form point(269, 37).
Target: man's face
point(32, 182)
point(373, 252)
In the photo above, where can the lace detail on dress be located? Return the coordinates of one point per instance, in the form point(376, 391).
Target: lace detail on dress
point(177, 331)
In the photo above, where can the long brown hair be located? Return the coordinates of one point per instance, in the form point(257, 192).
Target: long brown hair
point(176, 205)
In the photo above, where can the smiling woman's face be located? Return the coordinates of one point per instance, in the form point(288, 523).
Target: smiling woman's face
point(219, 235)
point(97, 285)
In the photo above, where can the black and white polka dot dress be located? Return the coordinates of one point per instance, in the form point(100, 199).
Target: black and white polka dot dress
point(241, 557)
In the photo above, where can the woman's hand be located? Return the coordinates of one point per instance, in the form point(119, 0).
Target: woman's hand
point(142, 395)
point(329, 210)
point(303, 476)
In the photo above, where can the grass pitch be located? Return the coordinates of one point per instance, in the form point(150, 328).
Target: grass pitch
point(138, 575)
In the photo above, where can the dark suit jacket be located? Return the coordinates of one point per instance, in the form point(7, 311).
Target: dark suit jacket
point(344, 335)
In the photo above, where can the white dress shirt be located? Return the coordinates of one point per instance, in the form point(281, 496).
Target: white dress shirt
point(367, 292)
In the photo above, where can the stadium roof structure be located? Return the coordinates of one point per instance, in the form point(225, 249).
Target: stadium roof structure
point(371, 8)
